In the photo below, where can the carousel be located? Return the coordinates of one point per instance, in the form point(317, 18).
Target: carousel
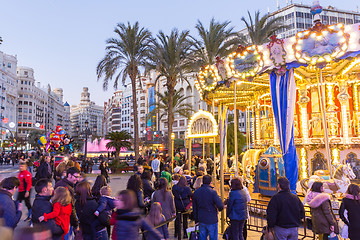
point(301, 99)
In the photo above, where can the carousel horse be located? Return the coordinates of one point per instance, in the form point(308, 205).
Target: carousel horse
point(339, 184)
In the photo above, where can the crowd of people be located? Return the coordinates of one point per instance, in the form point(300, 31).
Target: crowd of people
point(157, 194)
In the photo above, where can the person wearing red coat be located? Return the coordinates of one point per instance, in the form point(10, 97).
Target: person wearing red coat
point(61, 209)
point(25, 186)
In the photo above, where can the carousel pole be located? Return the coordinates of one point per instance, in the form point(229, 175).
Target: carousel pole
point(214, 141)
point(190, 145)
point(324, 121)
point(235, 134)
point(203, 143)
point(222, 226)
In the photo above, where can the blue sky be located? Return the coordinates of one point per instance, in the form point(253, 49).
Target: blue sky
point(63, 40)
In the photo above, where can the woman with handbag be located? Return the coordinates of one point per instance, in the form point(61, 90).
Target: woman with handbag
point(182, 197)
point(236, 209)
point(351, 203)
point(322, 215)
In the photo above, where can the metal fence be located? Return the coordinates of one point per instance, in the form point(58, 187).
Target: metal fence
point(257, 218)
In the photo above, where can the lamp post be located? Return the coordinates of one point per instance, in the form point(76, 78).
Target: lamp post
point(172, 149)
point(87, 132)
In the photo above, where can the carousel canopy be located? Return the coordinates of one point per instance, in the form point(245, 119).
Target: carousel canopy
point(333, 49)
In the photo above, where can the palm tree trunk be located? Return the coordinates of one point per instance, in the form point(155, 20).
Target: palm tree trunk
point(136, 121)
point(170, 114)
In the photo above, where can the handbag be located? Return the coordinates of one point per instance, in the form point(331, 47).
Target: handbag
point(268, 234)
point(194, 235)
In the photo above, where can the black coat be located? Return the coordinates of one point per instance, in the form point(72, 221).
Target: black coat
point(87, 217)
point(40, 206)
point(182, 197)
point(147, 188)
point(285, 210)
point(43, 171)
point(206, 204)
point(353, 221)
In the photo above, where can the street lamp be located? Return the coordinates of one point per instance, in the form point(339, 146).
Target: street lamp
point(172, 153)
point(86, 132)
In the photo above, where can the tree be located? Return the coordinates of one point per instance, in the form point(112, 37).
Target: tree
point(169, 56)
point(180, 106)
point(124, 55)
point(33, 137)
point(1, 40)
point(262, 28)
point(217, 41)
point(118, 140)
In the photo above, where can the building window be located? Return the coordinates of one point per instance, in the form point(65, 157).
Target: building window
point(182, 123)
point(9, 65)
point(175, 124)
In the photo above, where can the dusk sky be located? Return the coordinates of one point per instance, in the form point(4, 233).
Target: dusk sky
point(63, 40)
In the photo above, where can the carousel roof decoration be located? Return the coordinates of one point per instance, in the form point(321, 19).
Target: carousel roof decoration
point(245, 62)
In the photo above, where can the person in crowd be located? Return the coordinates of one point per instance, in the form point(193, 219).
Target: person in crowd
point(33, 233)
point(140, 170)
point(175, 179)
point(248, 198)
point(6, 233)
point(155, 218)
point(128, 220)
point(44, 170)
point(198, 182)
point(25, 179)
point(285, 211)
point(42, 205)
point(104, 171)
point(182, 196)
point(166, 174)
point(164, 196)
point(236, 209)
point(61, 209)
point(135, 184)
point(203, 165)
point(12, 210)
point(188, 177)
point(199, 173)
point(72, 176)
point(322, 215)
point(206, 204)
point(351, 203)
point(100, 182)
point(178, 170)
point(147, 185)
point(106, 203)
point(155, 166)
point(86, 206)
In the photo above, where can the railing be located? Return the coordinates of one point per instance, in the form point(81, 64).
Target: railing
point(257, 219)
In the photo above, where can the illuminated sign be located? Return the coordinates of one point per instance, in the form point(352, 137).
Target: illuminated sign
point(202, 124)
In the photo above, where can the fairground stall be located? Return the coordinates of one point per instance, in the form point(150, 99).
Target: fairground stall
point(300, 95)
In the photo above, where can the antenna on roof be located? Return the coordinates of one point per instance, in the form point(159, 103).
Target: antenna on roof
point(278, 4)
point(268, 10)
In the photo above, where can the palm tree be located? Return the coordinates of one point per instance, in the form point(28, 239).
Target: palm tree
point(33, 137)
point(180, 106)
point(169, 56)
point(217, 41)
point(124, 55)
point(262, 28)
point(118, 140)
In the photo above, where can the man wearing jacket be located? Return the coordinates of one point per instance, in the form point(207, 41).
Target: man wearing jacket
point(206, 204)
point(42, 204)
point(12, 211)
point(72, 176)
point(284, 212)
point(25, 179)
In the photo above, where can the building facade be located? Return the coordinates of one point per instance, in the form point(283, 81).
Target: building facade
point(8, 95)
point(86, 111)
point(38, 108)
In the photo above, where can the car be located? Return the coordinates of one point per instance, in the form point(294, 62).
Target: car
point(58, 159)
